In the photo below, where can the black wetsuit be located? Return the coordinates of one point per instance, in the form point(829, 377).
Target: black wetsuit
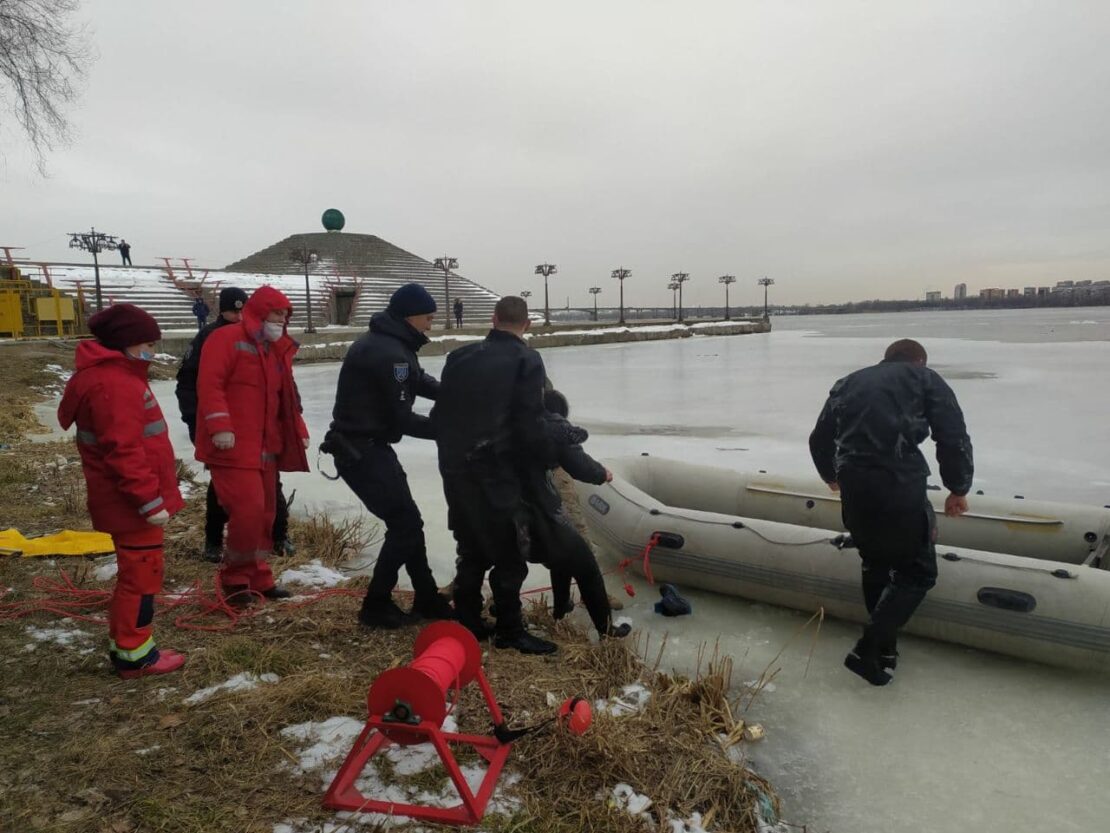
point(866, 440)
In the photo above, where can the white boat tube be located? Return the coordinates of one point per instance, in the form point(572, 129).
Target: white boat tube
point(1026, 578)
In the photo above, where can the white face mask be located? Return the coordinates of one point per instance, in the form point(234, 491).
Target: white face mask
point(272, 331)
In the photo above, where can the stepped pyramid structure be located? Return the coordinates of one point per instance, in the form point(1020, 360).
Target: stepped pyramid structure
point(369, 267)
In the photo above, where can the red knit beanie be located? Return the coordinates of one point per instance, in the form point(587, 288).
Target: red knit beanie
point(124, 325)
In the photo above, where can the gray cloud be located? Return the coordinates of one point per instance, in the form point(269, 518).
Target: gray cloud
point(847, 149)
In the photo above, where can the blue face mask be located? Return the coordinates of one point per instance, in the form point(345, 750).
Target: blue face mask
point(144, 356)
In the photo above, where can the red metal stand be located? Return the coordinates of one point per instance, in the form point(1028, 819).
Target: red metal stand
point(407, 706)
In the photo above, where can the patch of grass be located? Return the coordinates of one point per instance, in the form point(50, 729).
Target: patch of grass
point(334, 543)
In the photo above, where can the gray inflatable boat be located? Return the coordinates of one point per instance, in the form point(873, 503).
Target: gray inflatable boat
point(1026, 578)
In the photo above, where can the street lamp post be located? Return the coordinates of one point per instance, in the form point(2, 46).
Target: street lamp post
point(680, 278)
point(546, 269)
point(95, 242)
point(621, 274)
point(445, 264)
point(673, 287)
point(726, 280)
point(766, 282)
point(306, 256)
point(594, 290)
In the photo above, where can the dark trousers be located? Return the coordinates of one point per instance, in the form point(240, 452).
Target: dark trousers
point(380, 482)
point(215, 518)
point(558, 546)
point(458, 319)
point(490, 537)
point(126, 258)
point(894, 526)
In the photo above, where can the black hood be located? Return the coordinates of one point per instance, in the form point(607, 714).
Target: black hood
point(386, 323)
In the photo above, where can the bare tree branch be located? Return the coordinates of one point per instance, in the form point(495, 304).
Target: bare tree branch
point(43, 57)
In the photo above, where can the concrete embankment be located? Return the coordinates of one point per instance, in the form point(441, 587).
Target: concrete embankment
point(331, 344)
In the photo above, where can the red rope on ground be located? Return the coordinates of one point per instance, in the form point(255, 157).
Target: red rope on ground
point(65, 599)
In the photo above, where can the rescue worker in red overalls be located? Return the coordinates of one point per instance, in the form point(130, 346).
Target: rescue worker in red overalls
point(130, 473)
point(249, 427)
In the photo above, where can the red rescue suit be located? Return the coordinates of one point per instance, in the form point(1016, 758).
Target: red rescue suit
point(245, 386)
point(130, 474)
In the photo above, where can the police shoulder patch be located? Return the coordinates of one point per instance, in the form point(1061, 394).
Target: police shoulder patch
point(401, 372)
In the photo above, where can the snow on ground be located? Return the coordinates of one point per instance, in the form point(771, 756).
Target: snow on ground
point(623, 797)
point(330, 741)
point(327, 743)
point(64, 635)
point(633, 698)
point(646, 328)
point(323, 345)
point(58, 383)
point(240, 682)
point(313, 574)
point(106, 571)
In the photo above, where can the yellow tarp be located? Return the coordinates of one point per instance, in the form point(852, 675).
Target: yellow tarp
point(66, 542)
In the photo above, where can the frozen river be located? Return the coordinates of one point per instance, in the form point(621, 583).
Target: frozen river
point(962, 741)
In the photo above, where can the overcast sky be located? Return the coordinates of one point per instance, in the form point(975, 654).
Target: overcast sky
point(846, 149)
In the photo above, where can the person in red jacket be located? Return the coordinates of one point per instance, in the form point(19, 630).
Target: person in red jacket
point(130, 473)
point(249, 427)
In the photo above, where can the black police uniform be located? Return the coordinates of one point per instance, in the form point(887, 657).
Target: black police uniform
point(215, 518)
point(378, 382)
point(490, 436)
point(866, 440)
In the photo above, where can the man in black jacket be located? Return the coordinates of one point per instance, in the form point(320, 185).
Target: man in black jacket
point(378, 382)
point(489, 422)
point(865, 446)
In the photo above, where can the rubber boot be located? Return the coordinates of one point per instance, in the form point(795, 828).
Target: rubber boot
point(432, 606)
point(616, 631)
point(237, 595)
point(864, 661)
point(167, 663)
point(382, 613)
point(525, 642)
point(481, 628)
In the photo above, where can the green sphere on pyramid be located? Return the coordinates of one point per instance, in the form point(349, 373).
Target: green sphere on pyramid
point(333, 220)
